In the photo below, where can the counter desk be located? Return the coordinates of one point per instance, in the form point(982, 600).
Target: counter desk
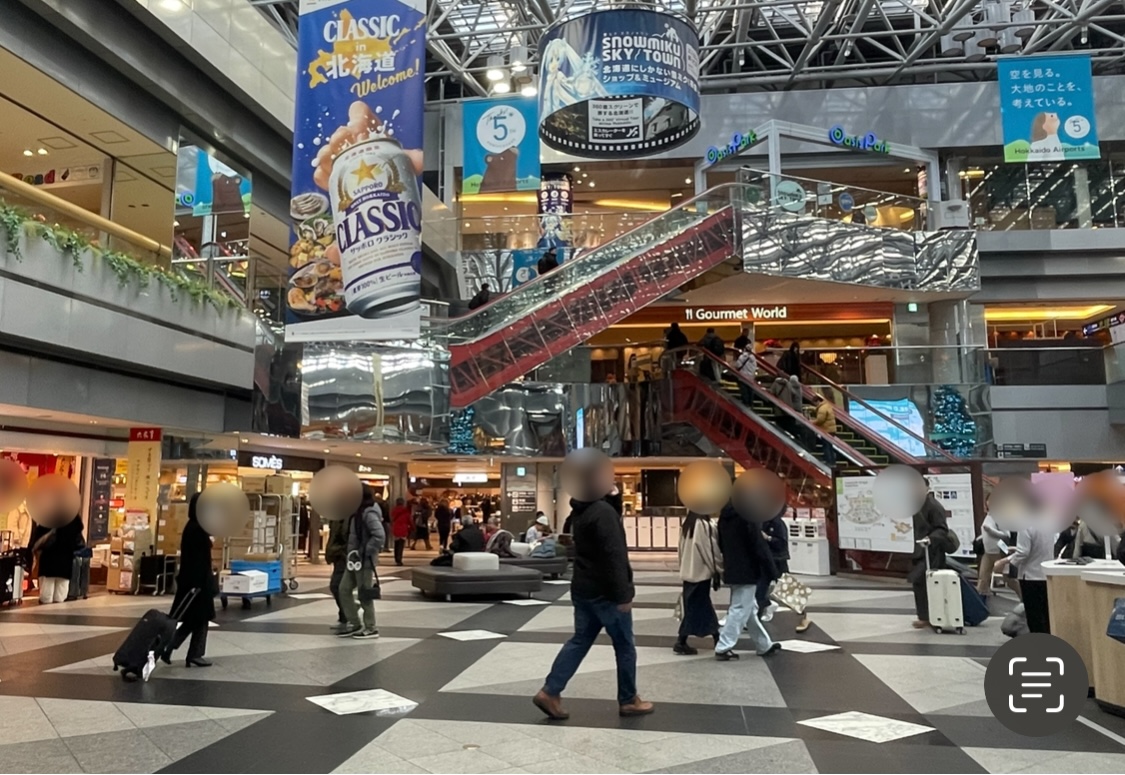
point(1107, 667)
point(1066, 594)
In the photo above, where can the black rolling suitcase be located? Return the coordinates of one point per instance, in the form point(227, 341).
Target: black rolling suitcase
point(149, 639)
point(80, 575)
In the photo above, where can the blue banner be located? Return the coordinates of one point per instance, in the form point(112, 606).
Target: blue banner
point(355, 259)
point(619, 83)
point(1047, 108)
point(500, 142)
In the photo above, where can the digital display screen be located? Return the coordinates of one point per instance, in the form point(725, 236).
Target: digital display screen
point(877, 416)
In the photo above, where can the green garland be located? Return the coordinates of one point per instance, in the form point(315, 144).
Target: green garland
point(16, 221)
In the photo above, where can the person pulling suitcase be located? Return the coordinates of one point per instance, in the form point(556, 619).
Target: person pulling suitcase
point(195, 574)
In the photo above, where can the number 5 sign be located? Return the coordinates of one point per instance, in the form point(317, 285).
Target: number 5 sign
point(500, 146)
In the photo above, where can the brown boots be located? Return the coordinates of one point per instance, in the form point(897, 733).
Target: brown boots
point(553, 709)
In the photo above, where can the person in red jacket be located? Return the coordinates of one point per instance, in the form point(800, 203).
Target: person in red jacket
point(402, 522)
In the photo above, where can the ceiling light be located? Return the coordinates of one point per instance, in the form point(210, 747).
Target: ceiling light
point(27, 152)
point(591, 184)
point(245, 441)
point(495, 70)
point(687, 181)
point(501, 87)
point(577, 169)
point(519, 58)
point(585, 174)
point(384, 457)
point(907, 170)
point(176, 224)
point(529, 90)
point(358, 454)
point(327, 451)
point(41, 151)
point(223, 234)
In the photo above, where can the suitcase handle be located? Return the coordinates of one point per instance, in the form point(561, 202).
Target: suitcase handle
point(181, 609)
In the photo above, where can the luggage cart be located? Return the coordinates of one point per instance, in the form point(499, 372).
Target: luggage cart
point(269, 545)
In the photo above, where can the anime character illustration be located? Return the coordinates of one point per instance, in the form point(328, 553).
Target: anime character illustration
point(569, 79)
point(1045, 143)
point(551, 231)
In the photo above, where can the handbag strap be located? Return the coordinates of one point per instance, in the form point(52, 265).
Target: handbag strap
point(714, 565)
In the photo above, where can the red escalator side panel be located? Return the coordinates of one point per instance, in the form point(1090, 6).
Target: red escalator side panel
point(739, 434)
point(477, 368)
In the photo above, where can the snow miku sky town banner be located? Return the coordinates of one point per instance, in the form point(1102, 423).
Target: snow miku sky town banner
point(1047, 108)
point(355, 259)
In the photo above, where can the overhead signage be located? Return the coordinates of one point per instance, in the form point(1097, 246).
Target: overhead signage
point(837, 135)
point(470, 478)
point(500, 145)
point(790, 195)
point(847, 202)
point(1033, 450)
point(142, 479)
point(1047, 108)
point(101, 493)
point(736, 314)
point(268, 461)
point(355, 259)
point(619, 83)
point(739, 142)
point(1112, 322)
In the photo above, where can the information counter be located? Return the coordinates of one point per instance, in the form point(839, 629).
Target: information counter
point(1107, 667)
point(1066, 595)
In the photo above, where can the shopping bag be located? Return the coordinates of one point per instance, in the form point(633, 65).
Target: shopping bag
point(1116, 627)
point(791, 593)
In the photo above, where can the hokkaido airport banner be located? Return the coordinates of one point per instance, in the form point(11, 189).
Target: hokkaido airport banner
point(1047, 108)
point(500, 143)
point(619, 83)
point(355, 260)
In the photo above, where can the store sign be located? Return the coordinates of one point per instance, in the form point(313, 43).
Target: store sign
point(1047, 108)
point(790, 195)
point(738, 143)
point(867, 142)
point(356, 211)
point(470, 478)
point(619, 83)
point(78, 175)
point(101, 493)
point(142, 478)
point(266, 461)
point(500, 145)
point(734, 314)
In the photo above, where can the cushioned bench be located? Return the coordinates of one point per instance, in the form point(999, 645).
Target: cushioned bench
point(447, 582)
point(552, 567)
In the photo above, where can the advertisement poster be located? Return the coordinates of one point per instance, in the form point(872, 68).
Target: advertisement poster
point(500, 142)
point(101, 491)
point(1047, 108)
point(355, 259)
point(207, 186)
point(905, 412)
point(862, 526)
point(556, 205)
point(142, 471)
point(619, 83)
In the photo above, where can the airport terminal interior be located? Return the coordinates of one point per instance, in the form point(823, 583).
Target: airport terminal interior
point(551, 386)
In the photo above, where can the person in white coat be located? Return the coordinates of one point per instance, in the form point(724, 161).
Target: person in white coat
point(701, 565)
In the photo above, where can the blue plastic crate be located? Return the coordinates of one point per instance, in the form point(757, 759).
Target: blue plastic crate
point(272, 569)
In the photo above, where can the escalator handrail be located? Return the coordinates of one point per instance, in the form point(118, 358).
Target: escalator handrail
point(854, 423)
point(852, 453)
point(707, 195)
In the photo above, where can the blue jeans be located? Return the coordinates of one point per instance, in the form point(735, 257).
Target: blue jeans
point(590, 617)
point(743, 613)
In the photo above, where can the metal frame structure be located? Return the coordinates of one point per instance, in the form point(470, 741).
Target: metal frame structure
point(786, 44)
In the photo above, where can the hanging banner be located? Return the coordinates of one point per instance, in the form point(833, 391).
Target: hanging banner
point(355, 259)
point(1047, 108)
point(556, 204)
point(619, 83)
point(101, 491)
point(500, 146)
point(142, 470)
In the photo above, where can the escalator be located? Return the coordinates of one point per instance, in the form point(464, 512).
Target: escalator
point(763, 433)
point(550, 315)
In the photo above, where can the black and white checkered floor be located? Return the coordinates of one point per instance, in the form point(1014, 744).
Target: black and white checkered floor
point(446, 689)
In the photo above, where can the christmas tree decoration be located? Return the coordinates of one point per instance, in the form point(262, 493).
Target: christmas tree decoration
point(954, 429)
point(461, 432)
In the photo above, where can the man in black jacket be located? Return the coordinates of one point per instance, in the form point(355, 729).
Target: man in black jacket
point(931, 523)
point(601, 590)
point(746, 559)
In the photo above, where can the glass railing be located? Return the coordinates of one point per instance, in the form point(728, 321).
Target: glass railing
point(1029, 364)
point(576, 272)
point(579, 231)
point(835, 201)
point(1049, 195)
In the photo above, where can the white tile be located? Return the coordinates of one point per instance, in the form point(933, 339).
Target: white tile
point(464, 635)
point(378, 701)
point(805, 646)
point(309, 595)
point(526, 601)
point(557, 582)
point(866, 726)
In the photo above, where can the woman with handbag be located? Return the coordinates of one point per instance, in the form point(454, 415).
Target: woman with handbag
point(700, 571)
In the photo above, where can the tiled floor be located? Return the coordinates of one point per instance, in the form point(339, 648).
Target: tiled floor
point(446, 688)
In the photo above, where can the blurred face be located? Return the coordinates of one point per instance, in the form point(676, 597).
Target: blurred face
point(335, 492)
point(587, 474)
point(758, 495)
point(1051, 123)
point(223, 510)
point(53, 500)
point(705, 487)
point(899, 492)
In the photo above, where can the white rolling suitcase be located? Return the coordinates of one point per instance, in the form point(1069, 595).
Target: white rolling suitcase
point(943, 593)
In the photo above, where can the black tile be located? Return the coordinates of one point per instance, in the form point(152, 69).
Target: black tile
point(857, 756)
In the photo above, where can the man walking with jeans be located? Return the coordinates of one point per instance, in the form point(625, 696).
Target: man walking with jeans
point(746, 560)
point(602, 589)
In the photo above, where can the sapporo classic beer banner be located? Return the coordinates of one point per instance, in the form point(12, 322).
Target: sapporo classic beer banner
point(355, 259)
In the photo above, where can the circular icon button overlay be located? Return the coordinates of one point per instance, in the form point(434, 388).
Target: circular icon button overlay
point(1036, 685)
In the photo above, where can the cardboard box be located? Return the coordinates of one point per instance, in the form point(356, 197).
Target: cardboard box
point(244, 583)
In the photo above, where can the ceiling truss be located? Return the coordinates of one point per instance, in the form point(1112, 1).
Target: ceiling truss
point(779, 44)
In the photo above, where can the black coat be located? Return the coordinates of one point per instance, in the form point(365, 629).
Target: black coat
point(778, 537)
point(675, 338)
point(467, 539)
point(195, 573)
point(601, 556)
point(790, 362)
point(746, 555)
point(443, 515)
point(56, 558)
point(931, 521)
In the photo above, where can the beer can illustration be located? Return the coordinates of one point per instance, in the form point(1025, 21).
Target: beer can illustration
point(378, 217)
